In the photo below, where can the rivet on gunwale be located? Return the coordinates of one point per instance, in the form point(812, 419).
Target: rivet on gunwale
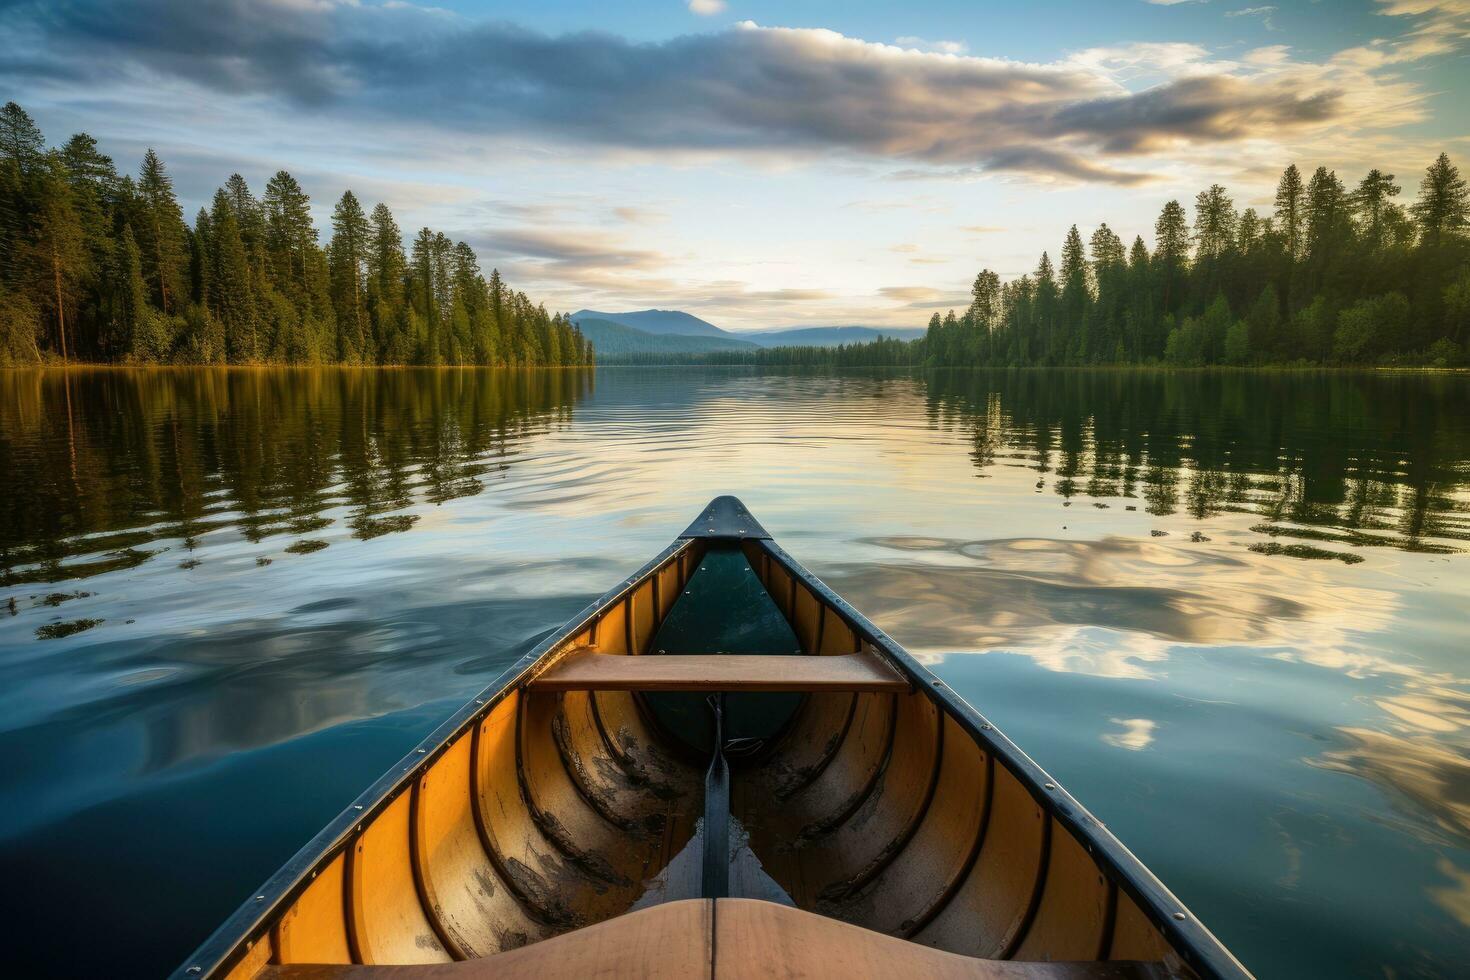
point(422, 751)
point(260, 898)
point(1051, 785)
point(357, 806)
point(1180, 916)
point(195, 970)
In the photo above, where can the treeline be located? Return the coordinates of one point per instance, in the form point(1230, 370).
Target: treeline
point(97, 266)
point(1332, 275)
point(883, 352)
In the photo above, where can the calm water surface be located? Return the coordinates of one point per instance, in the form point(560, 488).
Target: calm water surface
point(1228, 611)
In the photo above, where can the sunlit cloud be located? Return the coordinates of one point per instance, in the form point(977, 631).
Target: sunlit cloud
point(747, 89)
point(938, 47)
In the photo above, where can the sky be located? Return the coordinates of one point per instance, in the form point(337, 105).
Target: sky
point(759, 164)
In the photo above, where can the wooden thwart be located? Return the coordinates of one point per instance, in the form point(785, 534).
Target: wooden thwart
point(588, 671)
point(727, 939)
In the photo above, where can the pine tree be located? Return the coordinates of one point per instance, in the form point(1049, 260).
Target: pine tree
point(1171, 251)
point(1443, 208)
point(131, 318)
point(162, 237)
point(425, 293)
point(349, 251)
point(386, 272)
point(289, 235)
point(1291, 210)
point(232, 298)
point(1215, 223)
point(1373, 206)
point(55, 252)
point(22, 148)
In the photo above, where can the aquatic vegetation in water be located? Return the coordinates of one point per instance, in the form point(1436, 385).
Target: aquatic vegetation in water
point(57, 598)
point(368, 528)
point(52, 571)
point(262, 561)
point(190, 563)
point(306, 547)
point(1354, 538)
point(55, 631)
point(1304, 551)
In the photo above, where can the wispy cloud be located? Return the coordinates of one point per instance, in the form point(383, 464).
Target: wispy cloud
point(1264, 13)
point(706, 8)
point(925, 298)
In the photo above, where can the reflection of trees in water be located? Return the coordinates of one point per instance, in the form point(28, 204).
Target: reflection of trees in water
point(148, 455)
point(1358, 452)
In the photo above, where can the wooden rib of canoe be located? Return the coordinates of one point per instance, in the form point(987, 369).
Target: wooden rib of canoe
point(785, 793)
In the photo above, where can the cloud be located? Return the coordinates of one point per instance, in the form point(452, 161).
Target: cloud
point(938, 47)
point(924, 298)
point(785, 92)
point(639, 216)
point(576, 259)
point(1264, 13)
point(909, 293)
point(706, 8)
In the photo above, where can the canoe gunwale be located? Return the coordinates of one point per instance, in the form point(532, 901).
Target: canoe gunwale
point(252, 921)
point(1194, 943)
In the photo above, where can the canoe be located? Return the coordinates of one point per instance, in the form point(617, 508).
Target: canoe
point(719, 768)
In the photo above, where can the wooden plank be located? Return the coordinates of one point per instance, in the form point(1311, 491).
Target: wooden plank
point(588, 671)
point(726, 939)
point(764, 940)
point(671, 942)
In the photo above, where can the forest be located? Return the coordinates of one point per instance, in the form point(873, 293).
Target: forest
point(101, 267)
point(1331, 276)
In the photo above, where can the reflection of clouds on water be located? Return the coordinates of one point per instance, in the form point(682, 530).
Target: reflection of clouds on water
point(1137, 734)
point(1434, 776)
point(1108, 607)
point(1454, 898)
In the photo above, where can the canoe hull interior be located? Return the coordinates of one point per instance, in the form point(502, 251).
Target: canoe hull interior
point(538, 811)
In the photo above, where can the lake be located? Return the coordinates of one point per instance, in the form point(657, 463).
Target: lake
point(1230, 611)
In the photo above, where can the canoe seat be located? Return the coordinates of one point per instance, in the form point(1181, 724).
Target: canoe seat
point(588, 671)
point(728, 939)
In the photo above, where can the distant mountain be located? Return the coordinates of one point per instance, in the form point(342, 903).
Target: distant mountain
point(686, 327)
point(658, 322)
point(830, 336)
point(611, 340)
